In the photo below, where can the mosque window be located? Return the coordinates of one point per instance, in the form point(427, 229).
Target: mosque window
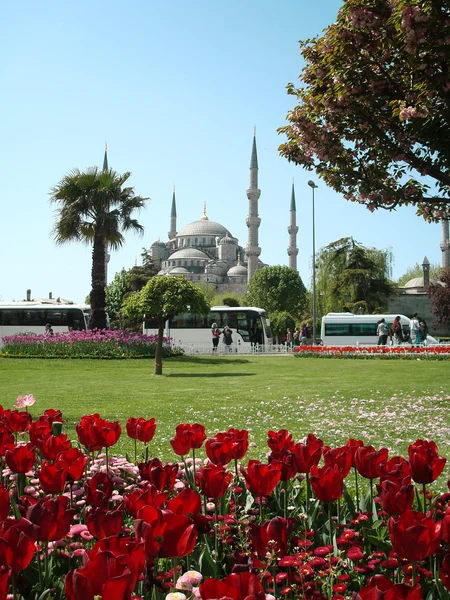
point(204, 241)
point(196, 242)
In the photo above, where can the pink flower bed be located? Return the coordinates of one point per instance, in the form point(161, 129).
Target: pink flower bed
point(311, 522)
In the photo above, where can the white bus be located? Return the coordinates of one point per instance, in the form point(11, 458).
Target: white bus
point(348, 329)
point(32, 317)
point(249, 325)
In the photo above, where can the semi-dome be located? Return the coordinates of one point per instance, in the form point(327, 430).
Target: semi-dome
point(227, 240)
point(203, 227)
point(413, 283)
point(188, 253)
point(237, 271)
point(178, 271)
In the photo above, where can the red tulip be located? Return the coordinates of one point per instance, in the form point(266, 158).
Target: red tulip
point(51, 518)
point(444, 572)
point(141, 429)
point(6, 438)
point(20, 459)
point(162, 476)
point(396, 468)
point(16, 546)
point(341, 457)
point(220, 448)
point(240, 442)
point(103, 523)
point(280, 440)
point(99, 490)
point(414, 536)
point(52, 478)
point(380, 588)
point(213, 480)
point(5, 504)
point(128, 550)
point(354, 445)
point(395, 497)
point(188, 437)
point(74, 461)
point(104, 576)
point(95, 433)
point(327, 482)
point(288, 462)
point(368, 461)
point(272, 536)
point(39, 431)
point(17, 421)
point(140, 497)
point(164, 533)
point(308, 454)
point(53, 445)
point(426, 464)
point(261, 479)
point(5, 573)
point(235, 586)
point(187, 503)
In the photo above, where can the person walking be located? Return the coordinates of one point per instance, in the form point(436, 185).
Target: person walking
point(289, 338)
point(215, 332)
point(296, 337)
point(414, 329)
point(382, 332)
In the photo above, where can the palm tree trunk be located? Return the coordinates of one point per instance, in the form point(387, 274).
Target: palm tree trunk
point(158, 351)
point(97, 319)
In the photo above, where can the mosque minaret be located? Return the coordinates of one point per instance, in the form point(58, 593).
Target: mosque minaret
point(253, 221)
point(293, 230)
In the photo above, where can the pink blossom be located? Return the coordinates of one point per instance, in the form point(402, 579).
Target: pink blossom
point(25, 401)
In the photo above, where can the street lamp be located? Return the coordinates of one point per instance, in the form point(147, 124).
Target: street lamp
point(313, 186)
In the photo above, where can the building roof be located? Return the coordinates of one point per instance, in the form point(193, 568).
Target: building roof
point(178, 271)
point(237, 271)
point(203, 227)
point(227, 240)
point(413, 283)
point(158, 244)
point(188, 253)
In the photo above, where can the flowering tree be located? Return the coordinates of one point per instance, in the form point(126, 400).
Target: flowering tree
point(440, 297)
point(162, 298)
point(373, 109)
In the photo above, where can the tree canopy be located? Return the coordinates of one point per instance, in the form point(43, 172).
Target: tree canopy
point(95, 208)
point(373, 113)
point(352, 277)
point(440, 298)
point(277, 289)
point(162, 298)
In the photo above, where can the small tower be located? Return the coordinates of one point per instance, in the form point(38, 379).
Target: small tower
point(293, 230)
point(105, 159)
point(253, 221)
point(445, 245)
point(426, 272)
point(173, 218)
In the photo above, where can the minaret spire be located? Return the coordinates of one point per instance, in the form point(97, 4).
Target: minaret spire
point(105, 158)
point(293, 230)
point(253, 221)
point(173, 218)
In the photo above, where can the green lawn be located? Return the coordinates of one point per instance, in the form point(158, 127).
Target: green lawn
point(388, 403)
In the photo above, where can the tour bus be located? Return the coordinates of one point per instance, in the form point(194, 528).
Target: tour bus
point(32, 317)
point(249, 325)
point(348, 329)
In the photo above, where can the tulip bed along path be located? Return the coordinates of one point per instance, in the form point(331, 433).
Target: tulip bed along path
point(244, 478)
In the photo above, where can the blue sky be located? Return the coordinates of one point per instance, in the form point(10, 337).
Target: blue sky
point(175, 88)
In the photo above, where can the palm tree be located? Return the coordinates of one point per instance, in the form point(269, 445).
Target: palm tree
point(94, 208)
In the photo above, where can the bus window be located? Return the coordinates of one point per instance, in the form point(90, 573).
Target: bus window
point(243, 326)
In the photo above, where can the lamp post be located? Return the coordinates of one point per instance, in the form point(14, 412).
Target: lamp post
point(313, 186)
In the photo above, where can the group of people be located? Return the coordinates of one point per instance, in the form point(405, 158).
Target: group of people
point(298, 337)
point(227, 337)
point(417, 331)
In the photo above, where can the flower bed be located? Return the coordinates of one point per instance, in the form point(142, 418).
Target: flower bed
point(95, 343)
point(377, 352)
point(77, 523)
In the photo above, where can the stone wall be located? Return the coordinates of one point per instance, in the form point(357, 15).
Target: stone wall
point(407, 304)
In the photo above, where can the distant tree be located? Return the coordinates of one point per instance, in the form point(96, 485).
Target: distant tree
point(417, 271)
point(95, 208)
point(162, 298)
point(351, 277)
point(440, 298)
point(115, 294)
point(373, 113)
point(277, 289)
point(228, 299)
point(279, 322)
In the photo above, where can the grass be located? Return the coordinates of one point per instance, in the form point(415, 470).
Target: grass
point(389, 403)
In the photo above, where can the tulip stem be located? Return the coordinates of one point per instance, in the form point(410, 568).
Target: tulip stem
point(413, 573)
point(307, 494)
point(135, 450)
point(14, 590)
point(107, 462)
point(285, 503)
point(46, 564)
point(356, 488)
point(330, 522)
point(193, 461)
point(216, 529)
point(424, 488)
point(174, 567)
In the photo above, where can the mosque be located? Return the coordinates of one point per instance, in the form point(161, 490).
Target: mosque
point(206, 251)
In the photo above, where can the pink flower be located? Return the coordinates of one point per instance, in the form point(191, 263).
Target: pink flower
point(189, 580)
point(25, 401)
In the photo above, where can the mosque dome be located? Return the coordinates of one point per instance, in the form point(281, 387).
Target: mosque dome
point(414, 283)
point(178, 271)
point(188, 253)
point(237, 271)
point(203, 227)
point(158, 244)
point(227, 240)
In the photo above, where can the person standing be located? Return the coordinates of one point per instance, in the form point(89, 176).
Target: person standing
point(297, 337)
point(289, 338)
point(215, 331)
point(382, 332)
point(397, 331)
point(227, 338)
point(414, 329)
